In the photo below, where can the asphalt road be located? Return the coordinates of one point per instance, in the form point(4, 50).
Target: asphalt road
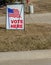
point(27, 62)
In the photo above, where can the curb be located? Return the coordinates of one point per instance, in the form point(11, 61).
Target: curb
point(25, 55)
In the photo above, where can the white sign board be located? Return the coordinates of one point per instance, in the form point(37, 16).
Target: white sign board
point(15, 16)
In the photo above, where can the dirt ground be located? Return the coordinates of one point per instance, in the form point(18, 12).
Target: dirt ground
point(35, 36)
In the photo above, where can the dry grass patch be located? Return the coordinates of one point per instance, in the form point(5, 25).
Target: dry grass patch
point(42, 6)
point(39, 7)
point(35, 36)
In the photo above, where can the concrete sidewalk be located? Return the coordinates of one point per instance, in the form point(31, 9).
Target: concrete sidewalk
point(32, 18)
point(38, 18)
point(25, 55)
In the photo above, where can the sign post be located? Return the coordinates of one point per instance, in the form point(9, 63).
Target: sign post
point(15, 16)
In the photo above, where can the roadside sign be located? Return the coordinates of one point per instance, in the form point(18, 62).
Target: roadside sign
point(15, 16)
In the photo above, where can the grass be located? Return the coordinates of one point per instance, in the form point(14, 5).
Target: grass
point(35, 36)
point(42, 6)
point(39, 7)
